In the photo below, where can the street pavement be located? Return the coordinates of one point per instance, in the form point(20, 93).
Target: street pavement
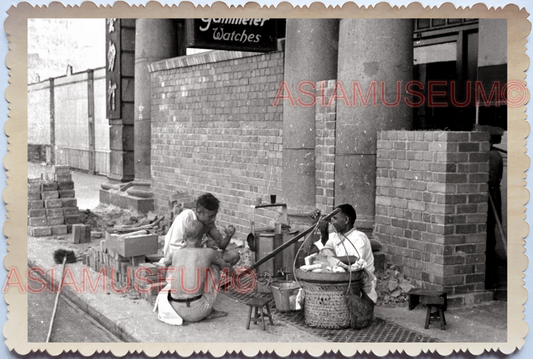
point(129, 317)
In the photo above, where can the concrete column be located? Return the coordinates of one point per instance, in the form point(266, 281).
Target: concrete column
point(90, 112)
point(155, 39)
point(310, 55)
point(379, 52)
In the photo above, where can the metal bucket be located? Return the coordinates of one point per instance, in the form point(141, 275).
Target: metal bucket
point(282, 291)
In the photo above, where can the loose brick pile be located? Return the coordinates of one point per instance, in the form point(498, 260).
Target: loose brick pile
point(52, 204)
point(128, 273)
point(431, 206)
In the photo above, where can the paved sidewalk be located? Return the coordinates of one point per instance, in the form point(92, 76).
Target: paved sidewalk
point(128, 317)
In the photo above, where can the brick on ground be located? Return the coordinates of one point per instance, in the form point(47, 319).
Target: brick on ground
point(49, 195)
point(81, 233)
point(65, 185)
point(53, 221)
point(40, 231)
point(34, 188)
point(53, 203)
point(67, 193)
point(54, 212)
point(37, 221)
point(34, 196)
point(37, 213)
point(72, 219)
point(59, 229)
point(63, 178)
point(67, 211)
point(36, 204)
point(69, 202)
point(49, 186)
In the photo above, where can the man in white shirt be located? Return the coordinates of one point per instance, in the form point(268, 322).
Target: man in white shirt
point(348, 244)
point(207, 207)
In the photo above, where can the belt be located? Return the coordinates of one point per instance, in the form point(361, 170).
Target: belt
point(184, 300)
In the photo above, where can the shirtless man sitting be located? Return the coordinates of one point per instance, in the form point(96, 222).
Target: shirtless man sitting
point(194, 277)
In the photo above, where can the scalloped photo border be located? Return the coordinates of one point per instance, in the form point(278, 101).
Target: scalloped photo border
point(15, 227)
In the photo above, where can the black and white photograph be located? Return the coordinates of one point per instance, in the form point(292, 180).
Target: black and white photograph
point(292, 182)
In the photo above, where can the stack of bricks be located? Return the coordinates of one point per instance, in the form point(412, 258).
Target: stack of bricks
point(52, 206)
point(431, 208)
point(128, 273)
point(325, 147)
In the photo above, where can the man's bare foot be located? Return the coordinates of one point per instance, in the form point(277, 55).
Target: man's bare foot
point(216, 314)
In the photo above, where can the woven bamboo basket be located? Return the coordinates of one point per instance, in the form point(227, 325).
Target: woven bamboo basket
point(325, 306)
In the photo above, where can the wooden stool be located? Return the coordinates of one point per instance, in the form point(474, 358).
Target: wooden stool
point(433, 300)
point(258, 304)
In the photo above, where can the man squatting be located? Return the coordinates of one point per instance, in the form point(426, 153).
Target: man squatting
point(194, 276)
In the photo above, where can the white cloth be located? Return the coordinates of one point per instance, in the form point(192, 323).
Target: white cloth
point(166, 313)
point(355, 243)
point(174, 236)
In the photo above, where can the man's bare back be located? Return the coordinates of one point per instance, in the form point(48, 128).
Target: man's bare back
point(191, 268)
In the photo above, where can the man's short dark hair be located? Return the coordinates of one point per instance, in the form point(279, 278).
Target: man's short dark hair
point(208, 201)
point(349, 211)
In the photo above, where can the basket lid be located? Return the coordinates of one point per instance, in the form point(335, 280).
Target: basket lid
point(323, 277)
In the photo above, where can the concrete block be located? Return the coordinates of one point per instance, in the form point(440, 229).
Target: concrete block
point(49, 195)
point(132, 246)
point(34, 188)
point(69, 202)
point(49, 186)
point(54, 212)
point(72, 219)
point(54, 221)
point(61, 169)
point(35, 204)
point(59, 229)
point(37, 213)
point(65, 185)
point(67, 193)
point(63, 177)
point(70, 211)
point(34, 196)
point(53, 203)
point(37, 221)
point(40, 231)
point(81, 233)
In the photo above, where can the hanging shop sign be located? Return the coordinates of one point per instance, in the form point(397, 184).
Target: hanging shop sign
point(113, 55)
point(232, 34)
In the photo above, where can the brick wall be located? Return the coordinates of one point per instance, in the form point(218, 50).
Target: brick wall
point(325, 147)
point(214, 130)
point(431, 207)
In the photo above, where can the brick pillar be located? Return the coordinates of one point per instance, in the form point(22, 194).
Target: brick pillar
point(325, 147)
point(431, 208)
